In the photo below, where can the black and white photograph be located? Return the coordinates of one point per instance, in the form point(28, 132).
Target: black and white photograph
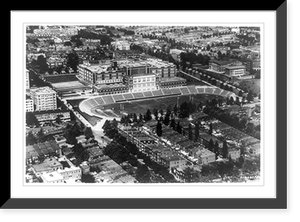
point(148, 109)
point(143, 104)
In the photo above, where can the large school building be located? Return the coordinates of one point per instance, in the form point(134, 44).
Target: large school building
point(132, 75)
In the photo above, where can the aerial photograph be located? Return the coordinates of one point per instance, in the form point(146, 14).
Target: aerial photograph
point(142, 104)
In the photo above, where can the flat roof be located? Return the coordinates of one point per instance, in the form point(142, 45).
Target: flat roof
point(48, 164)
point(235, 67)
point(42, 90)
point(53, 176)
point(171, 158)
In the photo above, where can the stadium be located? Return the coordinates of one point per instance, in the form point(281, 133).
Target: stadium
point(114, 105)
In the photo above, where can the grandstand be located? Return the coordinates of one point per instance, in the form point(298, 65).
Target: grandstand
point(185, 91)
point(167, 91)
point(148, 94)
point(192, 89)
point(175, 91)
point(208, 90)
point(217, 91)
point(157, 93)
point(138, 95)
point(99, 100)
point(90, 105)
point(108, 99)
point(118, 97)
point(128, 96)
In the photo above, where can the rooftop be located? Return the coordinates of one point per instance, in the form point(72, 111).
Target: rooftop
point(47, 165)
point(235, 67)
point(42, 90)
point(53, 176)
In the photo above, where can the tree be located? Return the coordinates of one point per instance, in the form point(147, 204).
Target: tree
point(225, 149)
point(143, 174)
point(58, 119)
point(135, 118)
point(166, 120)
point(173, 123)
point(73, 60)
point(250, 128)
point(250, 96)
point(184, 110)
point(31, 120)
point(196, 132)
point(200, 106)
point(242, 123)
point(87, 178)
point(148, 115)
point(41, 136)
point(175, 109)
point(240, 94)
point(179, 128)
point(88, 133)
point(42, 63)
point(191, 175)
point(210, 145)
point(216, 148)
point(210, 131)
point(81, 154)
point(190, 132)
point(237, 101)
point(231, 100)
point(30, 139)
point(70, 136)
point(159, 129)
point(155, 113)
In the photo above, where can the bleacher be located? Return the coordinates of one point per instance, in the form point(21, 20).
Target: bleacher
point(108, 99)
point(157, 93)
point(93, 102)
point(224, 93)
point(192, 89)
point(138, 95)
point(128, 96)
point(209, 90)
point(90, 103)
point(167, 91)
point(99, 100)
point(185, 91)
point(118, 97)
point(200, 90)
point(175, 91)
point(148, 94)
point(217, 91)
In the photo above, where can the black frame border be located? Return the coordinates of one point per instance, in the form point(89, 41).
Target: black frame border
point(280, 202)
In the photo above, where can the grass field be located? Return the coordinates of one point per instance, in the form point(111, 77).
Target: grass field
point(251, 84)
point(142, 106)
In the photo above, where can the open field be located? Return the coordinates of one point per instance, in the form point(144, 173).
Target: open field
point(141, 106)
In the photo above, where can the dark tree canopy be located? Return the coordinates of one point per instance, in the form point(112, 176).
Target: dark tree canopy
point(73, 60)
point(159, 129)
point(225, 149)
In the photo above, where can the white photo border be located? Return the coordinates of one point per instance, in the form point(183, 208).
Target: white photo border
point(265, 190)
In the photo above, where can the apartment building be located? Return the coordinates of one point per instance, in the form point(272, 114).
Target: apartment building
point(44, 98)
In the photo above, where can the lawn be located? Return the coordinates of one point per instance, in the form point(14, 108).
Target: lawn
point(251, 84)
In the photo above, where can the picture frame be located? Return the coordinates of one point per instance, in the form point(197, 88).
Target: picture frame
point(281, 200)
